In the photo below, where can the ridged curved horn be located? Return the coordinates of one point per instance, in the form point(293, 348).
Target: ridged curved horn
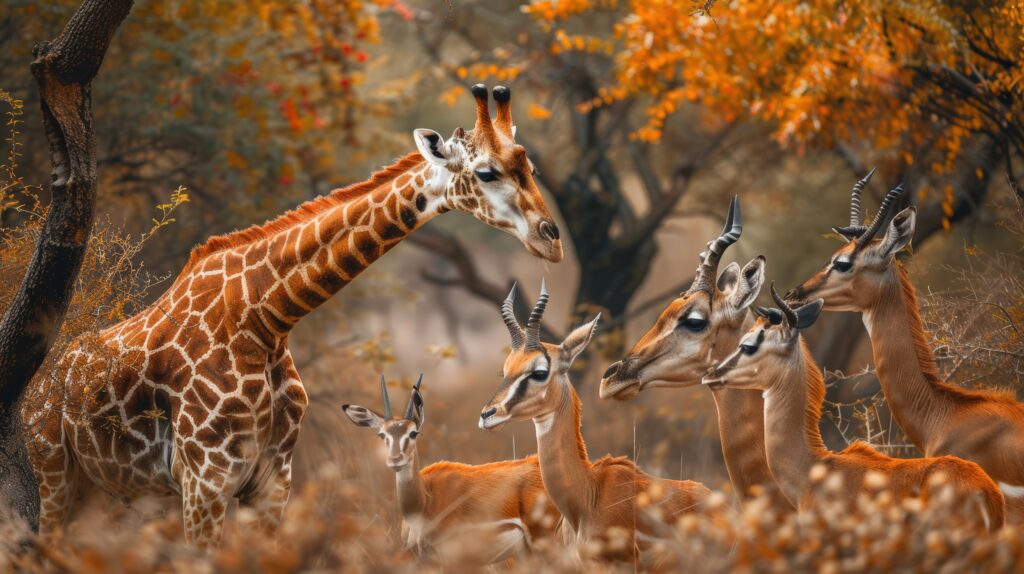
point(533, 324)
point(856, 227)
point(708, 269)
point(787, 311)
point(384, 395)
point(484, 128)
point(503, 103)
point(883, 212)
point(410, 409)
point(508, 314)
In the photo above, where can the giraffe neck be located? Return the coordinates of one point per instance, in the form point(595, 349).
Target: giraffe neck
point(792, 409)
point(564, 464)
point(906, 368)
point(310, 261)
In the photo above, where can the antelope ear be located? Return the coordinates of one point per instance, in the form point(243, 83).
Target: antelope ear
point(432, 146)
point(807, 314)
point(363, 416)
point(728, 278)
point(748, 283)
point(900, 232)
point(574, 344)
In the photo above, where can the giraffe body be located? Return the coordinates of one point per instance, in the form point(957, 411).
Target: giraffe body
point(197, 395)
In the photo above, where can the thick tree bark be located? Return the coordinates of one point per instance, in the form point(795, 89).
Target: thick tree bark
point(64, 69)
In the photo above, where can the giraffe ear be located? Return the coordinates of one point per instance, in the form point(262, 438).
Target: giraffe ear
point(432, 146)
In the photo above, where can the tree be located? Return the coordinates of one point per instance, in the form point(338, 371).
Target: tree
point(64, 69)
point(614, 192)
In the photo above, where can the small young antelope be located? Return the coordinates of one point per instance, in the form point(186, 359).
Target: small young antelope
point(773, 359)
point(465, 514)
point(603, 501)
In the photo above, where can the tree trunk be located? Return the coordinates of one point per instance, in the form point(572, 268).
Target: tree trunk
point(64, 69)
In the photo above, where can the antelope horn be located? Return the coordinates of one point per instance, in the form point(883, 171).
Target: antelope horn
point(508, 314)
point(788, 311)
point(533, 324)
point(856, 227)
point(883, 212)
point(708, 269)
point(410, 408)
point(484, 127)
point(384, 394)
point(503, 103)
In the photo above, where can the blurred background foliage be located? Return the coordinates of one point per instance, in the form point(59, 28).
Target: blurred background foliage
point(643, 118)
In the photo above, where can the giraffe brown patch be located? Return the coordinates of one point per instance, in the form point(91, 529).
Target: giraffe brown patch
point(235, 406)
point(391, 232)
point(403, 180)
point(195, 456)
point(185, 426)
point(366, 246)
point(421, 201)
point(219, 460)
point(251, 389)
point(409, 218)
point(350, 265)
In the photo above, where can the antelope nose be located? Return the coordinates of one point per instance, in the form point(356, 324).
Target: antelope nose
point(548, 229)
point(488, 413)
point(612, 369)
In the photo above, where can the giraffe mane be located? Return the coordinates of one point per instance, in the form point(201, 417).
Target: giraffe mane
point(303, 212)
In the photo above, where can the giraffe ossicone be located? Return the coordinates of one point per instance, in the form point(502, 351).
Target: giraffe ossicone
point(198, 395)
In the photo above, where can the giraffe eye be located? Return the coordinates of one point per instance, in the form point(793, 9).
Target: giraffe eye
point(486, 174)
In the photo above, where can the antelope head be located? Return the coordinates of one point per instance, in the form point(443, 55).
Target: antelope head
point(767, 351)
point(679, 348)
point(854, 275)
point(399, 434)
point(534, 371)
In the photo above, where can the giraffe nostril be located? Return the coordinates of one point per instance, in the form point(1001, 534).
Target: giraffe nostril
point(612, 369)
point(488, 413)
point(549, 230)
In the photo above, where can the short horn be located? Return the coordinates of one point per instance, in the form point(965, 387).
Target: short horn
point(508, 314)
point(503, 103)
point(410, 409)
point(708, 269)
point(384, 395)
point(533, 324)
point(883, 212)
point(484, 128)
point(788, 311)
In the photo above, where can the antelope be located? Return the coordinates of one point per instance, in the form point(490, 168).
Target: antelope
point(772, 358)
point(501, 505)
point(700, 326)
point(865, 276)
point(600, 501)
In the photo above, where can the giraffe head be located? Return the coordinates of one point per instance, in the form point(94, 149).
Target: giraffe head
point(488, 175)
point(399, 434)
point(855, 275)
point(534, 371)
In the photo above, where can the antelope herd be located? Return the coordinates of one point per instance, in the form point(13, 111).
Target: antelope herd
point(198, 395)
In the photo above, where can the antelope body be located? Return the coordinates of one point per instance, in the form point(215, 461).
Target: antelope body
point(601, 501)
point(939, 418)
point(464, 514)
point(773, 358)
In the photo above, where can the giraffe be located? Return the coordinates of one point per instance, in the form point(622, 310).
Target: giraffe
point(197, 395)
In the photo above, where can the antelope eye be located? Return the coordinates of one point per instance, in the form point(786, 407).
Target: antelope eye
point(486, 174)
point(748, 349)
point(414, 434)
point(842, 265)
point(693, 323)
point(540, 375)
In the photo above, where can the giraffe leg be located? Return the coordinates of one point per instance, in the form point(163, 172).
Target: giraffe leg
point(290, 402)
point(53, 466)
point(204, 504)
